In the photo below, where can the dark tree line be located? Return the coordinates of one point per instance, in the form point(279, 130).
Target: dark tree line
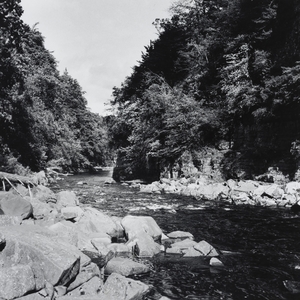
point(221, 70)
point(44, 119)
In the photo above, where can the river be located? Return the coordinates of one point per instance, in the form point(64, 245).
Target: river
point(261, 246)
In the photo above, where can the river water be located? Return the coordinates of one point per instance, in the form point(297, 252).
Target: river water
point(260, 246)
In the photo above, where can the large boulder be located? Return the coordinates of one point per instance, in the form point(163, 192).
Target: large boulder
point(43, 194)
point(143, 245)
point(213, 191)
point(15, 205)
point(94, 221)
point(125, 267)
point(118, 287)
point(16, 281)
point(50, 260)
point(206, 249)
point(87, 290)
point(292, 187)
point(72, 213)
point(137, 225)
point(66, 198)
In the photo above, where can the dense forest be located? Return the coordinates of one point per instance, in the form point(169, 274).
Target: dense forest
point(44, 119)
point(221, 82)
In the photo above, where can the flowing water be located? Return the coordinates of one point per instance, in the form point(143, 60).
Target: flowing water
point(260, 246)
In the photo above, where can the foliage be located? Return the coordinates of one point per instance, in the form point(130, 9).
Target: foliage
point(216, 70)
point(44, 115)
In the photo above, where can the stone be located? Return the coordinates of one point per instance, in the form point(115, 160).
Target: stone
point(174, 250)
point(41, 209)
point(120, 249)
point(125, 267)
point(136, 225)
point(180, 234)
point(247, 186)
point(43, 194)
point(213, 191)
point(144, 245)
point(215, 262)
point(95, 221)
point(206, 249)
point(85, 274)
point(118, 287)
point(66, 198)
point(238, 197)
point(184, 244)
point(72, 213)
point(10, 220)
point(292, 187)
point(153, 188)
point(15, 205)
point(55, 262)
point(33, 296)
point(16, 281)
point(90, 288)
point(65, 232)
point(191, 252)
point(274, 191)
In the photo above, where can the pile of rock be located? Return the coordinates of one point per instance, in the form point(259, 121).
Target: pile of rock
point(49, 244)
point(236, 192)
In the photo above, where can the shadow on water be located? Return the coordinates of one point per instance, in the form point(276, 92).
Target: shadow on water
point(260, 247)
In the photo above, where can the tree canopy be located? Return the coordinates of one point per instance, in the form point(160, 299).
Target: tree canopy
point(216, 67)
point(44, 119)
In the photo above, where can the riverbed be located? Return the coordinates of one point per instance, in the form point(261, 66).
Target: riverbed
point(260, 246)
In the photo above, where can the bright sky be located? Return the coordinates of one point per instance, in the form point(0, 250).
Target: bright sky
point(97, 41)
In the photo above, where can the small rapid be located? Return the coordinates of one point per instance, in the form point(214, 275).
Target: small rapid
point(260, 246)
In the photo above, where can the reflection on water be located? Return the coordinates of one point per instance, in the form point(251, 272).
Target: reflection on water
point(260, 246)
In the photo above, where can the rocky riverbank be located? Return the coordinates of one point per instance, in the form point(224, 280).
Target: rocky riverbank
point(53, 247)
point(235, 192)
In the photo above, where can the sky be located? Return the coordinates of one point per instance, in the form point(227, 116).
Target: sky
point(97, 41)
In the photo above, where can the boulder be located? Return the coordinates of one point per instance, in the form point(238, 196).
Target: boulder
point(41, 209)
point(50, 260)
point(292, 187)
point(125, 267)
point(43, 194)
point(95, 221)
point(215, 262)
point(9, 220)
point(184, 244)
point(153, 188)
point(174, 250)
point(247, 186)
point(15, 205)
point(213, 191)
point(16, 281)
point(274, 191)
point(66, 198)
point(67, 233)
point(191, 252)
point(118, 287)
point(206, 249)
point(120, 249)
point(143, 245)
point(72, 213)
point(180, 235)
point(39, 178)
point(137, 225)
point(85, 274)
point(87, 290)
